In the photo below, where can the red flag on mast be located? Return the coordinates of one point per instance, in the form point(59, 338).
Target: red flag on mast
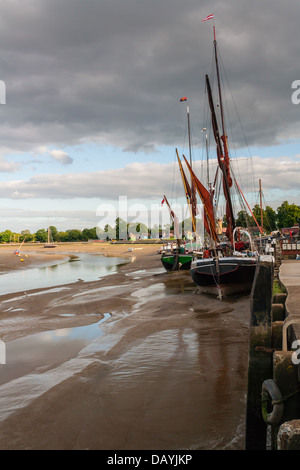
point(209, 17)
point(183, 99)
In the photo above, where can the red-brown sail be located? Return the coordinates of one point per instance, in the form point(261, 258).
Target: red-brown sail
point(223, 162)
point(209, 219)
point(190, 197)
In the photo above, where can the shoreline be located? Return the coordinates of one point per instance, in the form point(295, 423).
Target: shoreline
point(50, 303)
point(33, 255)
point(143, 384)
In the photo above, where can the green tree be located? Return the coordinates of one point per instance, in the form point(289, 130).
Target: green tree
point(287, 215)
point(61, 237)
point(137, 229)
point(89, 234)
point(74, 235)
point(269, 222)
point(27, 236)
point(53, 232)
point(41, 235)
point(257, 214)
point(241, 220)
point(121, 229)
point(6, 236)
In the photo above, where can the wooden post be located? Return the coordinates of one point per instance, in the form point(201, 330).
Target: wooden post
point(260, 352)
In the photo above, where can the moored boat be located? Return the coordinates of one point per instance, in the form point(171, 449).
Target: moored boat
point(225, 268)
point(176, 258)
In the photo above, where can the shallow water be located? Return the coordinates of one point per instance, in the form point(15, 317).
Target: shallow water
point(39, 352)
point(180, 388)
point(82, 266)
point(177, 385)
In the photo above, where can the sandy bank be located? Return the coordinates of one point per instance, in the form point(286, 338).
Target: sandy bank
point(32, 255)
point(80, 299)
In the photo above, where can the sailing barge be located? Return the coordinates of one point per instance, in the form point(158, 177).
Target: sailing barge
point(225, 268)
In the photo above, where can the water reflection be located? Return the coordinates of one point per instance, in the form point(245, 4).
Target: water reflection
point(41, 351)
point(84, 266)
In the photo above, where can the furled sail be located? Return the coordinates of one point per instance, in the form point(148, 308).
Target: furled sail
point(209, 218)
point(189, 194)
point(223, 161)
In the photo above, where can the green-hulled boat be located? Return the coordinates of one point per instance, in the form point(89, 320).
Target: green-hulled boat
point(176, 259)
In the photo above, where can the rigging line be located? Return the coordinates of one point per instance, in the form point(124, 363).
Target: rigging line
point(217, 195)
point(249, 207)
point(242, 200)
point(242, 204)
point(173, 179)
point(205, 142)
point(232, 147)
point(267, 220)
point(235, 107)
point(207, 148)
point(238, 115)
point(235, 166)
point(225, 100)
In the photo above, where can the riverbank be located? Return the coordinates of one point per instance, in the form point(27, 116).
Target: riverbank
point(34, 255)
point(168, 371)
point(36, 303)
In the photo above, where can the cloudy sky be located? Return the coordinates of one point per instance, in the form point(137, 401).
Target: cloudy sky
point(90, 101)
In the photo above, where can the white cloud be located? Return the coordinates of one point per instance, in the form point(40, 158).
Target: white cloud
point(61, 157)
point(141, 181)
point(8, 167)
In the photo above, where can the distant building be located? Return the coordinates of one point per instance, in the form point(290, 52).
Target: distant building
point(290, 241)
point(291, 231)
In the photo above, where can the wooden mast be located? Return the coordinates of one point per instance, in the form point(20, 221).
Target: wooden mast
point(226, 185)
point(261, 210)
point(175, 221)
point(193, 199)
point(188, 192)
point(223, 156)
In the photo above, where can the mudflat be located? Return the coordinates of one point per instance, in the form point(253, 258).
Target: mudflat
point(167, 372)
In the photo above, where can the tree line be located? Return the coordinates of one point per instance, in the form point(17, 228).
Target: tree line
point(41, 235)
point(285, 216)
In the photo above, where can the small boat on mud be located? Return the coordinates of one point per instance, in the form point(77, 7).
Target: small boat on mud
point(176, 258)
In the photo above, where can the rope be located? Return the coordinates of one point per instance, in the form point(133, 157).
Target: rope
point(285, 398)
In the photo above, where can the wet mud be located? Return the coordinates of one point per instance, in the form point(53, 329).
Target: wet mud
point(147, 363)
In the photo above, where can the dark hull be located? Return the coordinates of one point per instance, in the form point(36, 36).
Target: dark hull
point(224, 276)
point(174, 262)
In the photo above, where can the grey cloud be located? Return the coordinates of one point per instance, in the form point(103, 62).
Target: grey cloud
point(136, 181)
point(113, 70)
